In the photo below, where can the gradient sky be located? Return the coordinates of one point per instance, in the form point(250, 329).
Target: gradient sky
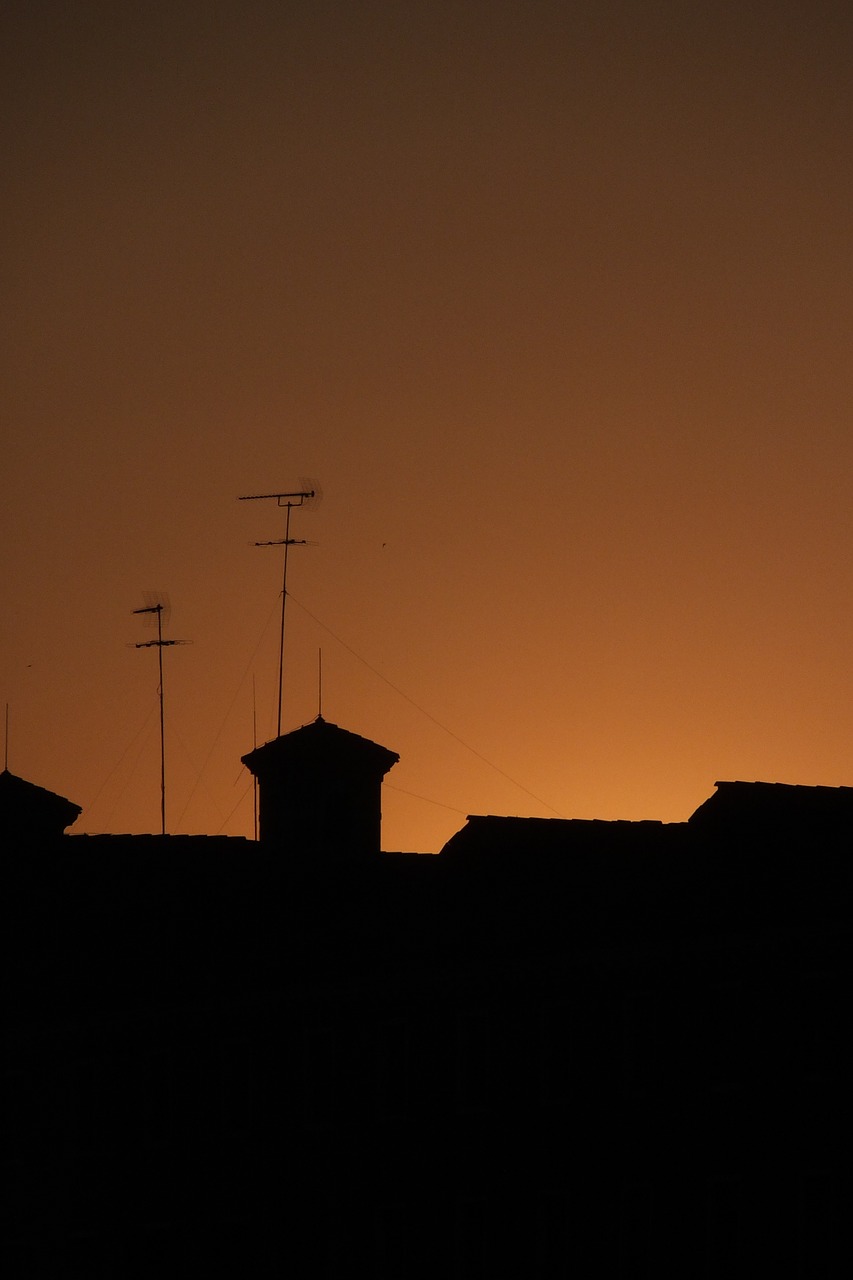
point(554, 299)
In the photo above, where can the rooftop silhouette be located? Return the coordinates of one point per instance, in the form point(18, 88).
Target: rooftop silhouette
point(558, 1047)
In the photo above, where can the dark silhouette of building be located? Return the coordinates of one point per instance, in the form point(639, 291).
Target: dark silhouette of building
point(558, 1048)
point(30, 814)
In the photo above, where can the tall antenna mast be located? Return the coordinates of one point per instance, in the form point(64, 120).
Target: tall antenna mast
point(309, 493)
point(159, 644)
point(6, 748)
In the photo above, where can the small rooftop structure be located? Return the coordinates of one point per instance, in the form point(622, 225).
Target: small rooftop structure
point(320, 792)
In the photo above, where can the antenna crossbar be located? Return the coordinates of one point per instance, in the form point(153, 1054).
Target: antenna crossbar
point(283, 542)
point(157, 644)
point(294, 498)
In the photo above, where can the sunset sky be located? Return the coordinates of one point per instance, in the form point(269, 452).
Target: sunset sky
point(553, 299)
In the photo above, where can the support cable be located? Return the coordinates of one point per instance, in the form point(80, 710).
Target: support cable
point(426, 713)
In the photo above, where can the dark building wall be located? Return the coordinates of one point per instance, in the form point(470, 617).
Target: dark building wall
point(308, 817)
point(623, 1059)
point(545, 1118)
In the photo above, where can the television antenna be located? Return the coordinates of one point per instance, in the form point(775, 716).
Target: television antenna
point(308, 494)
point(157, 603)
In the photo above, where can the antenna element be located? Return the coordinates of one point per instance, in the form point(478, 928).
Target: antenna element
point(308, 495)
point(159, 644)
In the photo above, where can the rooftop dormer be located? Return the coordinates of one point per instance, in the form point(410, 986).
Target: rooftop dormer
point(320, 792)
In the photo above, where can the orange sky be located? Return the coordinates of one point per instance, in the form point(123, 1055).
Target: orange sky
point(555, 301)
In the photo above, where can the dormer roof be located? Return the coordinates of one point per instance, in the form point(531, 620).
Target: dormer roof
point(320, 742)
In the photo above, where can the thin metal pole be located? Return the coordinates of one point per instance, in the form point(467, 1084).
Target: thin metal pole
point(6, 750)
point(160, 644)
point(283, 604)
point(162, 724)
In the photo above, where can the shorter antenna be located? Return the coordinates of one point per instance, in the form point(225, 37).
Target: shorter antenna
point(6, 749)
point(159, 644)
